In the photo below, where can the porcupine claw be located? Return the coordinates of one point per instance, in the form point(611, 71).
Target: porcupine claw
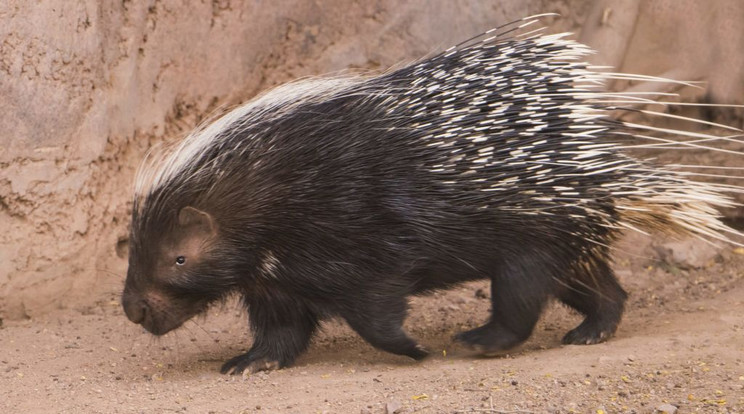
point(250, 363)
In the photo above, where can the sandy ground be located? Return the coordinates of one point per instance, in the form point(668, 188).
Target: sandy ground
point(681, 345)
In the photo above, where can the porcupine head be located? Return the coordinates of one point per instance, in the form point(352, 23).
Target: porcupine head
point(171, 258)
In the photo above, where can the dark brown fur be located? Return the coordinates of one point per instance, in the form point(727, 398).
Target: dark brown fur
point(347, 201)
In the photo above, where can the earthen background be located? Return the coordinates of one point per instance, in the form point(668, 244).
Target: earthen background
point(87, 87)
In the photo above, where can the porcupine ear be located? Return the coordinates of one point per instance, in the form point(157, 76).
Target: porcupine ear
point(199, 223)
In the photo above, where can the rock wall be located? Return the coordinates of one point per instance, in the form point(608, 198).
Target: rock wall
point(86, 87)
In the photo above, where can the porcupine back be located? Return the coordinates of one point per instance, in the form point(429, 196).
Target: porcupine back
point(515, 125)
point(494, 159)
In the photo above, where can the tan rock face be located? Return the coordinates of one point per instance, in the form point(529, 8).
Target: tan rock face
point(86, 87)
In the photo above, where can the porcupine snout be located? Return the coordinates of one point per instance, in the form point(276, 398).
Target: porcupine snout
point(154, 311)
point(135, 307)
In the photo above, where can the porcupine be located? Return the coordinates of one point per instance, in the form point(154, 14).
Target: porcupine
point(340, 197)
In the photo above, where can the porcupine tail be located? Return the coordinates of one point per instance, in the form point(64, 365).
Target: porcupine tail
point(649, 195)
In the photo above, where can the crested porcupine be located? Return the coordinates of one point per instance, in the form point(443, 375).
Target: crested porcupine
point(343, 196)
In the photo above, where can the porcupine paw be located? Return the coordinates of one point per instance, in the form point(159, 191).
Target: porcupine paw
point(418, 352)
point(250, 363)
point(589, 333)
point(488, 339)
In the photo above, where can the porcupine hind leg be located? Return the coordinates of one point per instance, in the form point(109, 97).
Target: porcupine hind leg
point(518, 294)
point(378, 319)
point(282, 328)
point(594, 291)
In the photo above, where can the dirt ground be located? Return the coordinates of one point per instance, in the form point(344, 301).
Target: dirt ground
point(681, 345)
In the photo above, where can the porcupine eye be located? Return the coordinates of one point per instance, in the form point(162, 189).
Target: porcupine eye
point(180, 260)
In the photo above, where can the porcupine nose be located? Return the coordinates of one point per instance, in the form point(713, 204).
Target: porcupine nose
point(134, 307)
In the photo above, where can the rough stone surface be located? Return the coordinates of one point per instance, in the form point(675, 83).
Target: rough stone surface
point(690, 253)
point(86, 87)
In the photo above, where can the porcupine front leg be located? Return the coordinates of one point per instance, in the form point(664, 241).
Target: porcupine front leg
point(518, 294)
point(378, 319)
point(282, 329)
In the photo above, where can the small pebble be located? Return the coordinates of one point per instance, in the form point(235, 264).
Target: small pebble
point(392, 407)
point(666, 409)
